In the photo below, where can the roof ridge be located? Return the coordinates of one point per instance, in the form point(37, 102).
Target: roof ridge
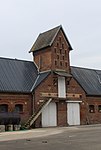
point(85, 68)
point(15, 59)
point(51, 29)
point(46, 39)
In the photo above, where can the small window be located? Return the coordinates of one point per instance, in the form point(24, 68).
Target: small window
point(91, 109)
point(57, 44)
point(99, 108)
point(55, 50)
point(3, 108)
point(63, 57)
point(18, 108)
point(66, 64)
point(60, 63)
point(62, 45)
point(57, 56)
point(55, 62)
point(60, 51)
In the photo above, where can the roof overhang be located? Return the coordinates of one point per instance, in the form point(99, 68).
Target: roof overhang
point(64, 74)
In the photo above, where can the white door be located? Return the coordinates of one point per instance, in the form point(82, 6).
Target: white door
point(61, 87)
point(49, 116)
point(73, 113)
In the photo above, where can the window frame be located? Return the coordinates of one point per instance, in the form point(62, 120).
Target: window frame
point(21, 110)
point(91, 108)
point(99, 110)
point(6, 108)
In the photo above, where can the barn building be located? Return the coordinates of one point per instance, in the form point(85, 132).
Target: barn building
point(48, 91)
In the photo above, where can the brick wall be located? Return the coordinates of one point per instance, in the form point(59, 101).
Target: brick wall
point(95, 117)
point(62, 113)
point(57, 57)
point(60, 53)
point(43, 59)
point(85, 116)
point(54, 57)
point(12, 99)
point(47, 87)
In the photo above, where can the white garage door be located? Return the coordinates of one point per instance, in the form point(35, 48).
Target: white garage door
point(49, 116)
point(73, 113)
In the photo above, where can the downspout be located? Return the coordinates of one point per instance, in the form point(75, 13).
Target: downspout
point(33, 95)
point(33, 103)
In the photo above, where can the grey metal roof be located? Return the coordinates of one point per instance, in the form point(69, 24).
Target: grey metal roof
point(41, 76)
point(46, 39)
point(89, 79)
point(18, 75)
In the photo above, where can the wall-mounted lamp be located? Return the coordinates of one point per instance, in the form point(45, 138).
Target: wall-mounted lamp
point(25, 103)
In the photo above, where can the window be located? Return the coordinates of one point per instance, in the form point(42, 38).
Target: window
point(57, 44)
point(18, 108)
point(60, 51)
point(63, 57)
point(55, 62)
point(55, 50)
point(99, 108)
point(66, 64)
point(62, 45)
point(57, 56)
point(4, 108)
point(60, 63)
point(91, 109)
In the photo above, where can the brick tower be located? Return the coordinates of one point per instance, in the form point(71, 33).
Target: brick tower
point(51, 51)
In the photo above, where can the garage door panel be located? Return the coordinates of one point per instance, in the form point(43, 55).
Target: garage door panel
point(73, 113)
point(45, 118)
point(49, 115)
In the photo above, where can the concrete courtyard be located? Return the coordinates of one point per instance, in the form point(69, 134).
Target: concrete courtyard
point(64, 138)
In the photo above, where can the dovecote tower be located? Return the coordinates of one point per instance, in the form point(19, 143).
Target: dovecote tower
point(51, 50)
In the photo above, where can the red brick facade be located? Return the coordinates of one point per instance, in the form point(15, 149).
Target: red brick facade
point(86, 117)
point(55, 58)
point(12, 99)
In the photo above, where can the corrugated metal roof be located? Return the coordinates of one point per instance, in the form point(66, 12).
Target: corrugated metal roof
point(88, 79)
point(46, 39)
point(22, 76)
point(19, 76)
point(41, 76)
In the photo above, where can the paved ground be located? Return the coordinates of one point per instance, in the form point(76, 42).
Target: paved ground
point(67, 138)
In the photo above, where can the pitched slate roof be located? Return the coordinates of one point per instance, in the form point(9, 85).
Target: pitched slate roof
point(89, 79)
point(18, 75)
point(47, 38)
point(41, 76)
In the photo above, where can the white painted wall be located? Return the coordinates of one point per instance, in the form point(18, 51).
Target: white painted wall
point(49, 116)
point(61, 87)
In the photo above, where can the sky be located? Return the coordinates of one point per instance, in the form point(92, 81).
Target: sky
point(21, 21)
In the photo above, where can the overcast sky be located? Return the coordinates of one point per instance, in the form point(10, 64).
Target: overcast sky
point(22, 20)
